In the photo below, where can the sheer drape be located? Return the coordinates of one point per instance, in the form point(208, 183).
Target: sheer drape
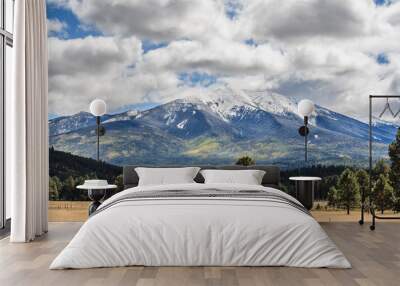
point(27, 146)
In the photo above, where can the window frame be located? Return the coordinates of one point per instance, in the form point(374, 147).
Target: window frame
point(6, 39)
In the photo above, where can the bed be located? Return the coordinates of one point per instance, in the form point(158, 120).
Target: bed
point(197, 224)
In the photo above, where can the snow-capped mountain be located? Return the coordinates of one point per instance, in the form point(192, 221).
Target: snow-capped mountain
point(65, 124)
point(228, 103)
point(386, 126)
point(220, 126)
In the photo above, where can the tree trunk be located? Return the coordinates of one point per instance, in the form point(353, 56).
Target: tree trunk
point(348, 210)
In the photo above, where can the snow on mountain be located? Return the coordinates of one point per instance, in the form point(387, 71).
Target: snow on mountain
point(376, 121)
point(186, 119)
point(226, 102)
point(125, 116)
point(219, 126)
point(182, 124)
point(237, 114)
point(66, 124)
point(273, 102)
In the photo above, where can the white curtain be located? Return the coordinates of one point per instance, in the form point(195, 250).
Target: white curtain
point(27, 130)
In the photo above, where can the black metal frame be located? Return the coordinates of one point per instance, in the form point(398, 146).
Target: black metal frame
point(303, 131)
point(371, 207)
point(305, 138)
point(98, 137)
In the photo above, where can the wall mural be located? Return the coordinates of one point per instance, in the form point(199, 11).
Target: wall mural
point(206, 82)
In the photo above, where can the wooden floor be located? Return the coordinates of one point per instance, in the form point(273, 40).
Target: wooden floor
point(375, 257)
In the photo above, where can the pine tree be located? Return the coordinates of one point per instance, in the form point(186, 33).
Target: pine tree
point(245, 161)
point(325, 185)
point(332, 197)
point(396, 203)
point(383, 193)
point(69, 188)
point(119, 181)
point(363, 181)
point(54, 188)
point(381, 167)
point(348, 190)
point(394, 154)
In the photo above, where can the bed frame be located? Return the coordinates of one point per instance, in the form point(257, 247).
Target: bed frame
point(271, 178)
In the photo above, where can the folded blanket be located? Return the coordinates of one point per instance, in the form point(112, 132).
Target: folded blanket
point(206, 193)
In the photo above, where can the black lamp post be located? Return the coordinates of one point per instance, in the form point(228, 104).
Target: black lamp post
point(305, 108)
point(98, 108)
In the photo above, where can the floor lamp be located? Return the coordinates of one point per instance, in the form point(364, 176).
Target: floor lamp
point(98, 108)
point(305, 109)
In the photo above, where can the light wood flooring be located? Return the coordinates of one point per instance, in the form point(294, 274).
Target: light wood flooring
point(375, 257)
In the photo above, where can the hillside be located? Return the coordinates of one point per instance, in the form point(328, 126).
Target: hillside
point(63, 165)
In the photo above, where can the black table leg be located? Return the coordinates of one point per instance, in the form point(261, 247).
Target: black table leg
point(96, 196)
point(305, 193)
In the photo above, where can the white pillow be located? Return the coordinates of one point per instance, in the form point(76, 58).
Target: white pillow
point(248, 177)
point(166, 176)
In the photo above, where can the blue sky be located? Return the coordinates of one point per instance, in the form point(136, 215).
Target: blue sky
point(382, 59)
point(382, 2)
point(233, 8)
point(74, 28)
point(148, 45)
point(196, 78)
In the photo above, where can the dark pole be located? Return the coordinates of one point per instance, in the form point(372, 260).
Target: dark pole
point(98, 138)
point(370, 161)
point(370, 158)
point(305, 138)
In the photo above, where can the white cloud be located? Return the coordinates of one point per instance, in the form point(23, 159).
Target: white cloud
point(162, 20)
point(293, 19)
point(55, 26)
point(92, 55)
point(83, 69)
point(217, 56)
point(322, 49)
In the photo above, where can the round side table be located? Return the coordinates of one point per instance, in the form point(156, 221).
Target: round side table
point(96, 194)
point(305, 188)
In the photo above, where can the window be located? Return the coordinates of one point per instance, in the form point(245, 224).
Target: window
point(6, 43)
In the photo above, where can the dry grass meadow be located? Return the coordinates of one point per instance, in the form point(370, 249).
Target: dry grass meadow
point(68, 211)
point(78, 211)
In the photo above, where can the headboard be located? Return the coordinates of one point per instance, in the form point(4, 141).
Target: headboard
point(271, 178)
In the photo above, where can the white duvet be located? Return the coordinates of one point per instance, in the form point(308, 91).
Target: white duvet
point(193, 231)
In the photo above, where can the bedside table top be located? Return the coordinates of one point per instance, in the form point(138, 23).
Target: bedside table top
point(305, 178)
point(88, 187)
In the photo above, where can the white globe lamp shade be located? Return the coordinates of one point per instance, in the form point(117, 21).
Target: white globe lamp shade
point(98, 107)
point(305, 107)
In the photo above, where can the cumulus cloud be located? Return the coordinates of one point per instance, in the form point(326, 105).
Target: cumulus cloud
point(162, 20)
point(322, 49)
point(216, 56)
point(307, 18)
point(83, 69)
point(55, 26)
point(92, 55)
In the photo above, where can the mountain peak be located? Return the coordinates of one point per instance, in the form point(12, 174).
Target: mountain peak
point(226, 101)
